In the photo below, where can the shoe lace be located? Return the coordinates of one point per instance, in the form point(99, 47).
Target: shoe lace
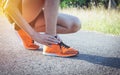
point(61, 44)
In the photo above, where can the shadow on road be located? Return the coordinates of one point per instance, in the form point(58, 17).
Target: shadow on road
point(105, 61)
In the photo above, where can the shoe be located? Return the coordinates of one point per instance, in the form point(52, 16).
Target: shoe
point(27, 40)
point(60, 50)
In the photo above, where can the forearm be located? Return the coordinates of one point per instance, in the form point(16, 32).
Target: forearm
point(51, 14)
point(12, 11)
point(19, 20)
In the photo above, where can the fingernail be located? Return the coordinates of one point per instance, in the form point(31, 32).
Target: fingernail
point(56, 43)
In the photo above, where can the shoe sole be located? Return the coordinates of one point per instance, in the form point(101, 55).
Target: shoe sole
point(32, 48)
point(55, 55)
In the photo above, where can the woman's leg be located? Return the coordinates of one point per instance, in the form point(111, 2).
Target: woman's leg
point(47, 22)
point(68, 24)
point(30, 9)
point(50, 14)
point(65, 24)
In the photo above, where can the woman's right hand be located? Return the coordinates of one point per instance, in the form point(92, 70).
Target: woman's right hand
point(45, 39)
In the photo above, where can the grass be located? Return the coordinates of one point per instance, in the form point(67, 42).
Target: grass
point(97, 19)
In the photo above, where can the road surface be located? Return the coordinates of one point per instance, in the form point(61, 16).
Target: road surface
point(99, 55)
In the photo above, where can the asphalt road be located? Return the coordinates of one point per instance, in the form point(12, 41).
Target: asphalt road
point(99, 55)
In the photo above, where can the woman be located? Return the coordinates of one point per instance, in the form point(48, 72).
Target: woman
point(34, 16)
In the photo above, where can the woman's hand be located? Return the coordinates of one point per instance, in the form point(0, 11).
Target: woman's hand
point(45, 39)
point(58, 38)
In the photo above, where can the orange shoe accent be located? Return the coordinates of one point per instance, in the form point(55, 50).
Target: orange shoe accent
point(60, 50)
point(27, 40)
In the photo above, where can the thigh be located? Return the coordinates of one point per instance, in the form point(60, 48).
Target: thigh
point(66, 20)
point(31, 9)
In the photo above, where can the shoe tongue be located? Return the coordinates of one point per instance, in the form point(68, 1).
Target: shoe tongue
point(64, 45)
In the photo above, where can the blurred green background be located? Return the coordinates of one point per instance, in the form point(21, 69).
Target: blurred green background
point(95, 15)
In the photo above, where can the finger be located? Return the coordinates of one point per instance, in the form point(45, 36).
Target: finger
point(51, 42)
point(54, 40)
point(51, 37)
point(59, 38)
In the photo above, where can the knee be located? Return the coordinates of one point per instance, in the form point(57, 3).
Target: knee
point(76, 25)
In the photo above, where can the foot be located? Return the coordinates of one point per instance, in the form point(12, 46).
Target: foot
point(60, 50)
point(27, 40)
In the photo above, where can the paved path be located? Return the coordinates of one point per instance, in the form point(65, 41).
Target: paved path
point(99, 55)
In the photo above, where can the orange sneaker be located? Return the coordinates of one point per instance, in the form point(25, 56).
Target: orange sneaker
point(27, 40)
point(60, 50)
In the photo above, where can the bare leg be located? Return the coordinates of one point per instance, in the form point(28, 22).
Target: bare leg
point(65, 23)
point(48, 23)
point(51, 13)
point(51, 22)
